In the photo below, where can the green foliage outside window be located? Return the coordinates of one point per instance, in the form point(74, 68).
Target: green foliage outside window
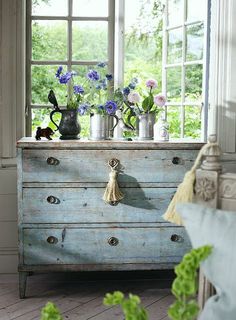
point(143, 52)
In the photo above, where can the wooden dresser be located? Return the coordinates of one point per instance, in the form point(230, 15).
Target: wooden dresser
point(64, 225)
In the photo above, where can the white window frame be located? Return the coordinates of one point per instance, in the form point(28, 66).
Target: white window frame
point(69, 62)
point(183, 64)
point(116, 34)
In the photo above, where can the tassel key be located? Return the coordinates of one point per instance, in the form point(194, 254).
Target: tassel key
point(112, 193)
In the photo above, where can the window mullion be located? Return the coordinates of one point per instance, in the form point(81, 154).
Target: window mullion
point(69, 49)
point(164, 53)
point(184, 43)
point(28, 112)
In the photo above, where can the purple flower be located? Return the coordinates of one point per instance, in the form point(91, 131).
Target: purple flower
point(126, 91)
point(64, 78)
point(83, 108)
point(59, 71)
point(78, 89)
point(93, 75)
point(101, 64)
point(110, 107)
point(103, 84)
point(109, 77)
point(160, 100)
point(151, 83)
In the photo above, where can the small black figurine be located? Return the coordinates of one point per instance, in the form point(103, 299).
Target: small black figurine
point(46, 133)
point(53, 100)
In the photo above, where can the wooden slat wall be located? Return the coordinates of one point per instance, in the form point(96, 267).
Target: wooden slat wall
point(8, 221)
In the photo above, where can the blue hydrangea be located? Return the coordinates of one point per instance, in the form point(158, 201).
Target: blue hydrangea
point(78, 89)
point(59, 71)
point(93, 75)
point(126, 91)
point(110, 107)
point(83, 108)
point(64, 78)
point(101, 64)
point(109, 77)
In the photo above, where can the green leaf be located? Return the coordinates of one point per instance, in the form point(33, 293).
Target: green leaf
point(50, 312)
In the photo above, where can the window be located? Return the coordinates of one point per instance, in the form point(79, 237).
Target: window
point(166, 40)
point(185, 66)
point(71, 33)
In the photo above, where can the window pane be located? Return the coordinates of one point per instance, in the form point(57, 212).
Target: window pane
point(193, 83)
point(50, 7)
point(43, 79)
point(143, 41)
point(192, 126)
point(90, 41)
point(90, 8)
point(196, 10)
point(175, 12)
point(174, 120)
point(195, 39)
point(40, 118)
point(174, 84)
point(175, 42)
point(49, 40)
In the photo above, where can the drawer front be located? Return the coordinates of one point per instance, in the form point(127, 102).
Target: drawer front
point(81, 205)
point(91, 165)
point(104, 245)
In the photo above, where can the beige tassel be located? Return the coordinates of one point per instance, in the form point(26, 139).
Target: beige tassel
point(112, 192)
point(185, 190)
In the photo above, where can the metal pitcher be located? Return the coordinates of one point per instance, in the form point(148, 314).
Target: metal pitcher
point(144, 126)
point(69, 126)
point(99, 126)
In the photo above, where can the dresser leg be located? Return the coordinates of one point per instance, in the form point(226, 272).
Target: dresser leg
point(22, 283)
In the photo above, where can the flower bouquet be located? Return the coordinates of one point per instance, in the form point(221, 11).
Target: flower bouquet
point(91, 97)
point(144, 106)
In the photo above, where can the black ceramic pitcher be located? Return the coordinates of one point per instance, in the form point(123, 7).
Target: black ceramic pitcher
point(69, 126)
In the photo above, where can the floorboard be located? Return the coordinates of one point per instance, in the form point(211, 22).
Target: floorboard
point(80, 296)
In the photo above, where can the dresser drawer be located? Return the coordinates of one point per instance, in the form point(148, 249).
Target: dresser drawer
point(104, 245)
point(91, 165)
point(84, 205)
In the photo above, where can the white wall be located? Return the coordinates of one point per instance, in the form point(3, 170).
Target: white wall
point(222, 105)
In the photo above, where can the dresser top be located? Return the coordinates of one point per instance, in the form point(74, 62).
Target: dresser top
point(31, 143)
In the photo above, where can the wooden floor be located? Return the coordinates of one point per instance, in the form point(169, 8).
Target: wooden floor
point(79, 297)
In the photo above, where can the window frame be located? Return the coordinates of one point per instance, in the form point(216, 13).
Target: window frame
point(205, 62)
point(116, 35)
point(69, 62)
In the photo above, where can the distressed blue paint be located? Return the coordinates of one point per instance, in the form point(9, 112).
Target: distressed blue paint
point(82, 223)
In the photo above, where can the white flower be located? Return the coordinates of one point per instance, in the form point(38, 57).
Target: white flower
point(134, 97)
point(160, 100)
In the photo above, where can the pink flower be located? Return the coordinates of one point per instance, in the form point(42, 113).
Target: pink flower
point(160, 100)
point(134, 97)
point(151, 83)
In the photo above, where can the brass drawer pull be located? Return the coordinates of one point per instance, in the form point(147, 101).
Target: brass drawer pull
point(52, 161)
point(113, 241)
point(52, 240)
point(176, 160)
point(53, 200)
point(176, 238)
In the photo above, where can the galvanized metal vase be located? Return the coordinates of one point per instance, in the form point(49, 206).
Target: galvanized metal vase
point(100, 127)
point(69, 126)
point(144, 126)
